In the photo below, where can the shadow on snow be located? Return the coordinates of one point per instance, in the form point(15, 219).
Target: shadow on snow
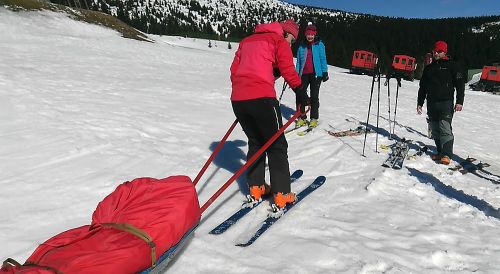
point(452, 193)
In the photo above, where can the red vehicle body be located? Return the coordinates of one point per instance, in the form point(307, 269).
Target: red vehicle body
point(491, 73)
point(363, 62)
point(490, 79)
point(404, 66)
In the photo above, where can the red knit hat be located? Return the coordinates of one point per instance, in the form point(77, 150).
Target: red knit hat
point(310, 30)
point(289, 26)
point(441, 46)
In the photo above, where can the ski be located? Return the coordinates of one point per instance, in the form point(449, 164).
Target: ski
point(351, 132)
point(306, 131)
point(267, 223)
point(225, 225)
point(398, 162)
point(292, 129)
point(474, 167)
point(421, 150)
point(464, 164)
point(399, 152)
point(468, 166)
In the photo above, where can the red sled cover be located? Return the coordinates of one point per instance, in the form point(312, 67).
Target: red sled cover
point(131, 228)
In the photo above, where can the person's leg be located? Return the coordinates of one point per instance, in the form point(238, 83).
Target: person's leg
point(269, 118)
point(434, 115)
point(446, 138)
point(315, 85)
point(256, 172)
point(306, 78)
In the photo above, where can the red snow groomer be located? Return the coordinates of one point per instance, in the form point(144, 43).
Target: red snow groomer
point(363, 62)
point(404, 66)
point(490, 80)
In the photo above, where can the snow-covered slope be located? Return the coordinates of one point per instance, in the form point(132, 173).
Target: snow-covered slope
point(220, 16)
point(83, 110)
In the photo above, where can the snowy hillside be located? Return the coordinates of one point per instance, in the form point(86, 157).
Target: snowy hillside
point(83, 110)
point(221, 17)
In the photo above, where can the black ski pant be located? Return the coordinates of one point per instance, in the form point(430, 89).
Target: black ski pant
point(314, 83)
point(440, 117)
point(260, 120)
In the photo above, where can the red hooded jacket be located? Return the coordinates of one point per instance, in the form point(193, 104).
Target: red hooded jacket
point(252, 67)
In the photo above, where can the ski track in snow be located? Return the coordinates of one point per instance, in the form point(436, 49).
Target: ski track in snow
point(83, 110)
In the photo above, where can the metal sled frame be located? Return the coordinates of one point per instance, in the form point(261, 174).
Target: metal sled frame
point(167, 257)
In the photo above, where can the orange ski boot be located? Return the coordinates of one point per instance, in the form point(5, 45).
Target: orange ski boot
point(258, 191)
point(445, 160)
point(281, 200)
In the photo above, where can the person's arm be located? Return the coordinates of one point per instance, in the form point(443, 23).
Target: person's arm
point(322, 57)
point(459, 84)
point(422, 91)
point(284, 59)
point(236, 62)
point(298, 66)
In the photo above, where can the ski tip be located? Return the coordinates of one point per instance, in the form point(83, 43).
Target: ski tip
point(321, 178)
point(215, 232)
point(243, 244)
point(297, 173)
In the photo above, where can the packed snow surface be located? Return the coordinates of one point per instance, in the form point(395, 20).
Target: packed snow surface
point(83, 110)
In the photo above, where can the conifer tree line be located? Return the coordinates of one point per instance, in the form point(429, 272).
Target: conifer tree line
point(472, 41)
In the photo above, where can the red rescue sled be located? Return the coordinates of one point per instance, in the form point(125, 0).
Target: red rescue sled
point(136, 229)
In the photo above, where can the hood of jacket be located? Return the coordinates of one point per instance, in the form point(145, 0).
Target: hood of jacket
point(274, 27)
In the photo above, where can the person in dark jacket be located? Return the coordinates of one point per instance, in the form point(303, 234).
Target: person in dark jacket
point(439, 81)
point(259, 59)
point(313, 69)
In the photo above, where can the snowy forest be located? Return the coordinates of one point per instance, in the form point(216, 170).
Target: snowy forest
point(473, 41)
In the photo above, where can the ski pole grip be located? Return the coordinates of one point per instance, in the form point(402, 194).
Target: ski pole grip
point(250, 161)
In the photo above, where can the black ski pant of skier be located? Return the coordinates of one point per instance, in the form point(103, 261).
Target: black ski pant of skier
point(440, 117)
point(314, 83)
point(260, 120)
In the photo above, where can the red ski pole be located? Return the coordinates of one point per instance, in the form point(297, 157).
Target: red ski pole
point(250, 161)
point(216, 151)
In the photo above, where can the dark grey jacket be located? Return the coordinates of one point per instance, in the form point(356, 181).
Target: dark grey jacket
point(439, 81)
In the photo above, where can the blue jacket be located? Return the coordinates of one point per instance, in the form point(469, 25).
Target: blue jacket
point(319, 58)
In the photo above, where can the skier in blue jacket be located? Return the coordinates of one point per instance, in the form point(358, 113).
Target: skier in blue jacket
point(312, 67)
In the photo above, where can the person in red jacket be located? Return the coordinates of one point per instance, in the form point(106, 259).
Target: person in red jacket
point(260, 57)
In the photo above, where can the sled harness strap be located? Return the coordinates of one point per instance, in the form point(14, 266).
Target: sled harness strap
point(140, 234)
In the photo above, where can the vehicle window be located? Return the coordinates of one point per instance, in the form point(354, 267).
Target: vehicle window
point(396, 60)
point(362, 56)
point(403, 61)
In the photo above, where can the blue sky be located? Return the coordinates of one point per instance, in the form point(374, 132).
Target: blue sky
point(411, 8)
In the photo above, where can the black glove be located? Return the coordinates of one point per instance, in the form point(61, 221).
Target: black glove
point(276, 73)
point(302, 97)
point(325, 76)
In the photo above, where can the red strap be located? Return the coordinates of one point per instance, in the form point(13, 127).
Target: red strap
point(250, 161)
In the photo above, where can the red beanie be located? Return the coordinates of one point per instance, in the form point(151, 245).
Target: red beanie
point(310, 30)
point(441, 46)
point(289, 26)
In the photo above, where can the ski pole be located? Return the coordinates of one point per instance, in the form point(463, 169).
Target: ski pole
point(368, 116)
point(251, 160)
point(396, 106)
point(216, 151)
point(378, 110)
point(282, 90)
point(388, 84)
